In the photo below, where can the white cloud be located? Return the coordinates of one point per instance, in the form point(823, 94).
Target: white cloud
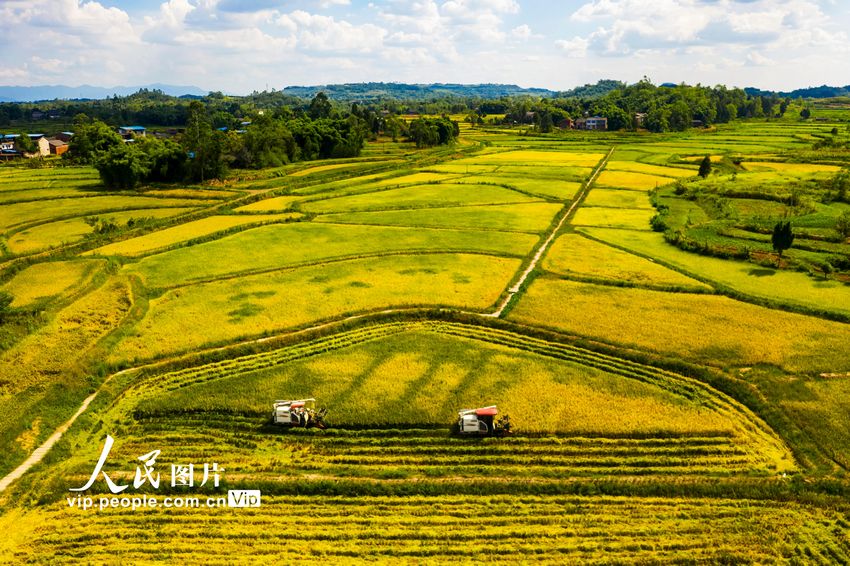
point(521, 32)
point(324, 33)
point(575, 47)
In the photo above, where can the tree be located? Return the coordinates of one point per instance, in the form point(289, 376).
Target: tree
point(783, 237)
point(202, 144)
point(90, 139)
point(123, 166)
point(320, 107)
point(705, 167)
point(805, 113)
point(24, 144)
point(842, 224)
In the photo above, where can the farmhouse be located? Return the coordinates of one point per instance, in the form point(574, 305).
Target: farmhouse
point(9, 146)
point(57, 146)
point(592, 123)
point(566, 124)
point(130, 132)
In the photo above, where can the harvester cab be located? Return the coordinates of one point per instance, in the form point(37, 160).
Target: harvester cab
point(298, 413)
point(483, 422)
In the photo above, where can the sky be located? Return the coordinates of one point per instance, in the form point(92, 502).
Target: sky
point(238, 46)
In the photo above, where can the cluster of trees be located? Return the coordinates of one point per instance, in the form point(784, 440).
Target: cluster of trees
point(428, 132)
point(663, 108)
point(203, 151)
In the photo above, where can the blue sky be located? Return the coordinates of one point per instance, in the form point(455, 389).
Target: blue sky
point(242, 45)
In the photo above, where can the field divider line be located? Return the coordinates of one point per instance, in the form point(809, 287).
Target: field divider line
point(550, 238)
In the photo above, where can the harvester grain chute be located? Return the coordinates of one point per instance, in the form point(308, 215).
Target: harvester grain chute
point(299, 413)
point(483, 422)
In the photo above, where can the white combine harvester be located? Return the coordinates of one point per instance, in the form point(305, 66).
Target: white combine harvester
point(483, 422)
point(298, 413)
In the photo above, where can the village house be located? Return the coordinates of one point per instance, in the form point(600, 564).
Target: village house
point(57, 146)
point(9, 149)
point(640, 119)
point(566, 124)
point(131, 132)
point(592, 123)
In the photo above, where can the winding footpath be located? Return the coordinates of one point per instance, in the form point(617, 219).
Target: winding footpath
point(39, 453)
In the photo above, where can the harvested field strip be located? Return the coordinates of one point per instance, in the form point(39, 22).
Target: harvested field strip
point(760, 439)
point(551, 529)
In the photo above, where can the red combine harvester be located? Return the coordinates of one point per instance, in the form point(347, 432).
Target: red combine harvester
point(298, 413)
point(483, 422)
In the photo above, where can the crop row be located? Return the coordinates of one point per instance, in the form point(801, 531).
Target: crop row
point(463, 528)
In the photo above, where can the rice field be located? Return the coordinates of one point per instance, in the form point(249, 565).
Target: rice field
point(50, 279)
point(575, 256)
point(613, 217)
point(56, 234)
point(530, 217)
point(161, 239)
point(419, 196)
point(25, 213)
point(702, 328)
point(657, 419)
point(259, 249)
point(767, 283)
point(631, 180)
point(222, 311)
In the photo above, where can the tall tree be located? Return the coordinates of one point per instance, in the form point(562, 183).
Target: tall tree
point(202, 144)
point(320, 107)
point(783, 237)
point(705, 167)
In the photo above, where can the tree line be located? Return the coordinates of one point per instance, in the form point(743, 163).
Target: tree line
point(271, 139)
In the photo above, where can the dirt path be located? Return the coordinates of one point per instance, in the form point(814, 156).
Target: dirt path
point(551, 238)
point(39, 452)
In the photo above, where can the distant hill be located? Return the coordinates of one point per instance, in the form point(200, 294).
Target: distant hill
point(368, 92)
point(601, 88)
point(82, 92)
point(823, 91)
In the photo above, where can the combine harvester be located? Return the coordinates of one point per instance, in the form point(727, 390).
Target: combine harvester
point(483, 422)
point(298, 413)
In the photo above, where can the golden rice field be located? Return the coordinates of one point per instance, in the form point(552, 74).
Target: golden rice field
point(618, 198)
point(780, 286)
point(185, 232)
point(631, 180)
point(275, 204)
point(575, 256)
point(55, 234)
point(657, 419)
point(51, 279)
point(259, 249)
point(223, 311)
point(419, 196)
point(648, 168)
point(531, 217)
point(702, 328)
point(613, 217)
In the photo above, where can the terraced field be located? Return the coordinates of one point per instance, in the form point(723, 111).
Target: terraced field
point(667, 407)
